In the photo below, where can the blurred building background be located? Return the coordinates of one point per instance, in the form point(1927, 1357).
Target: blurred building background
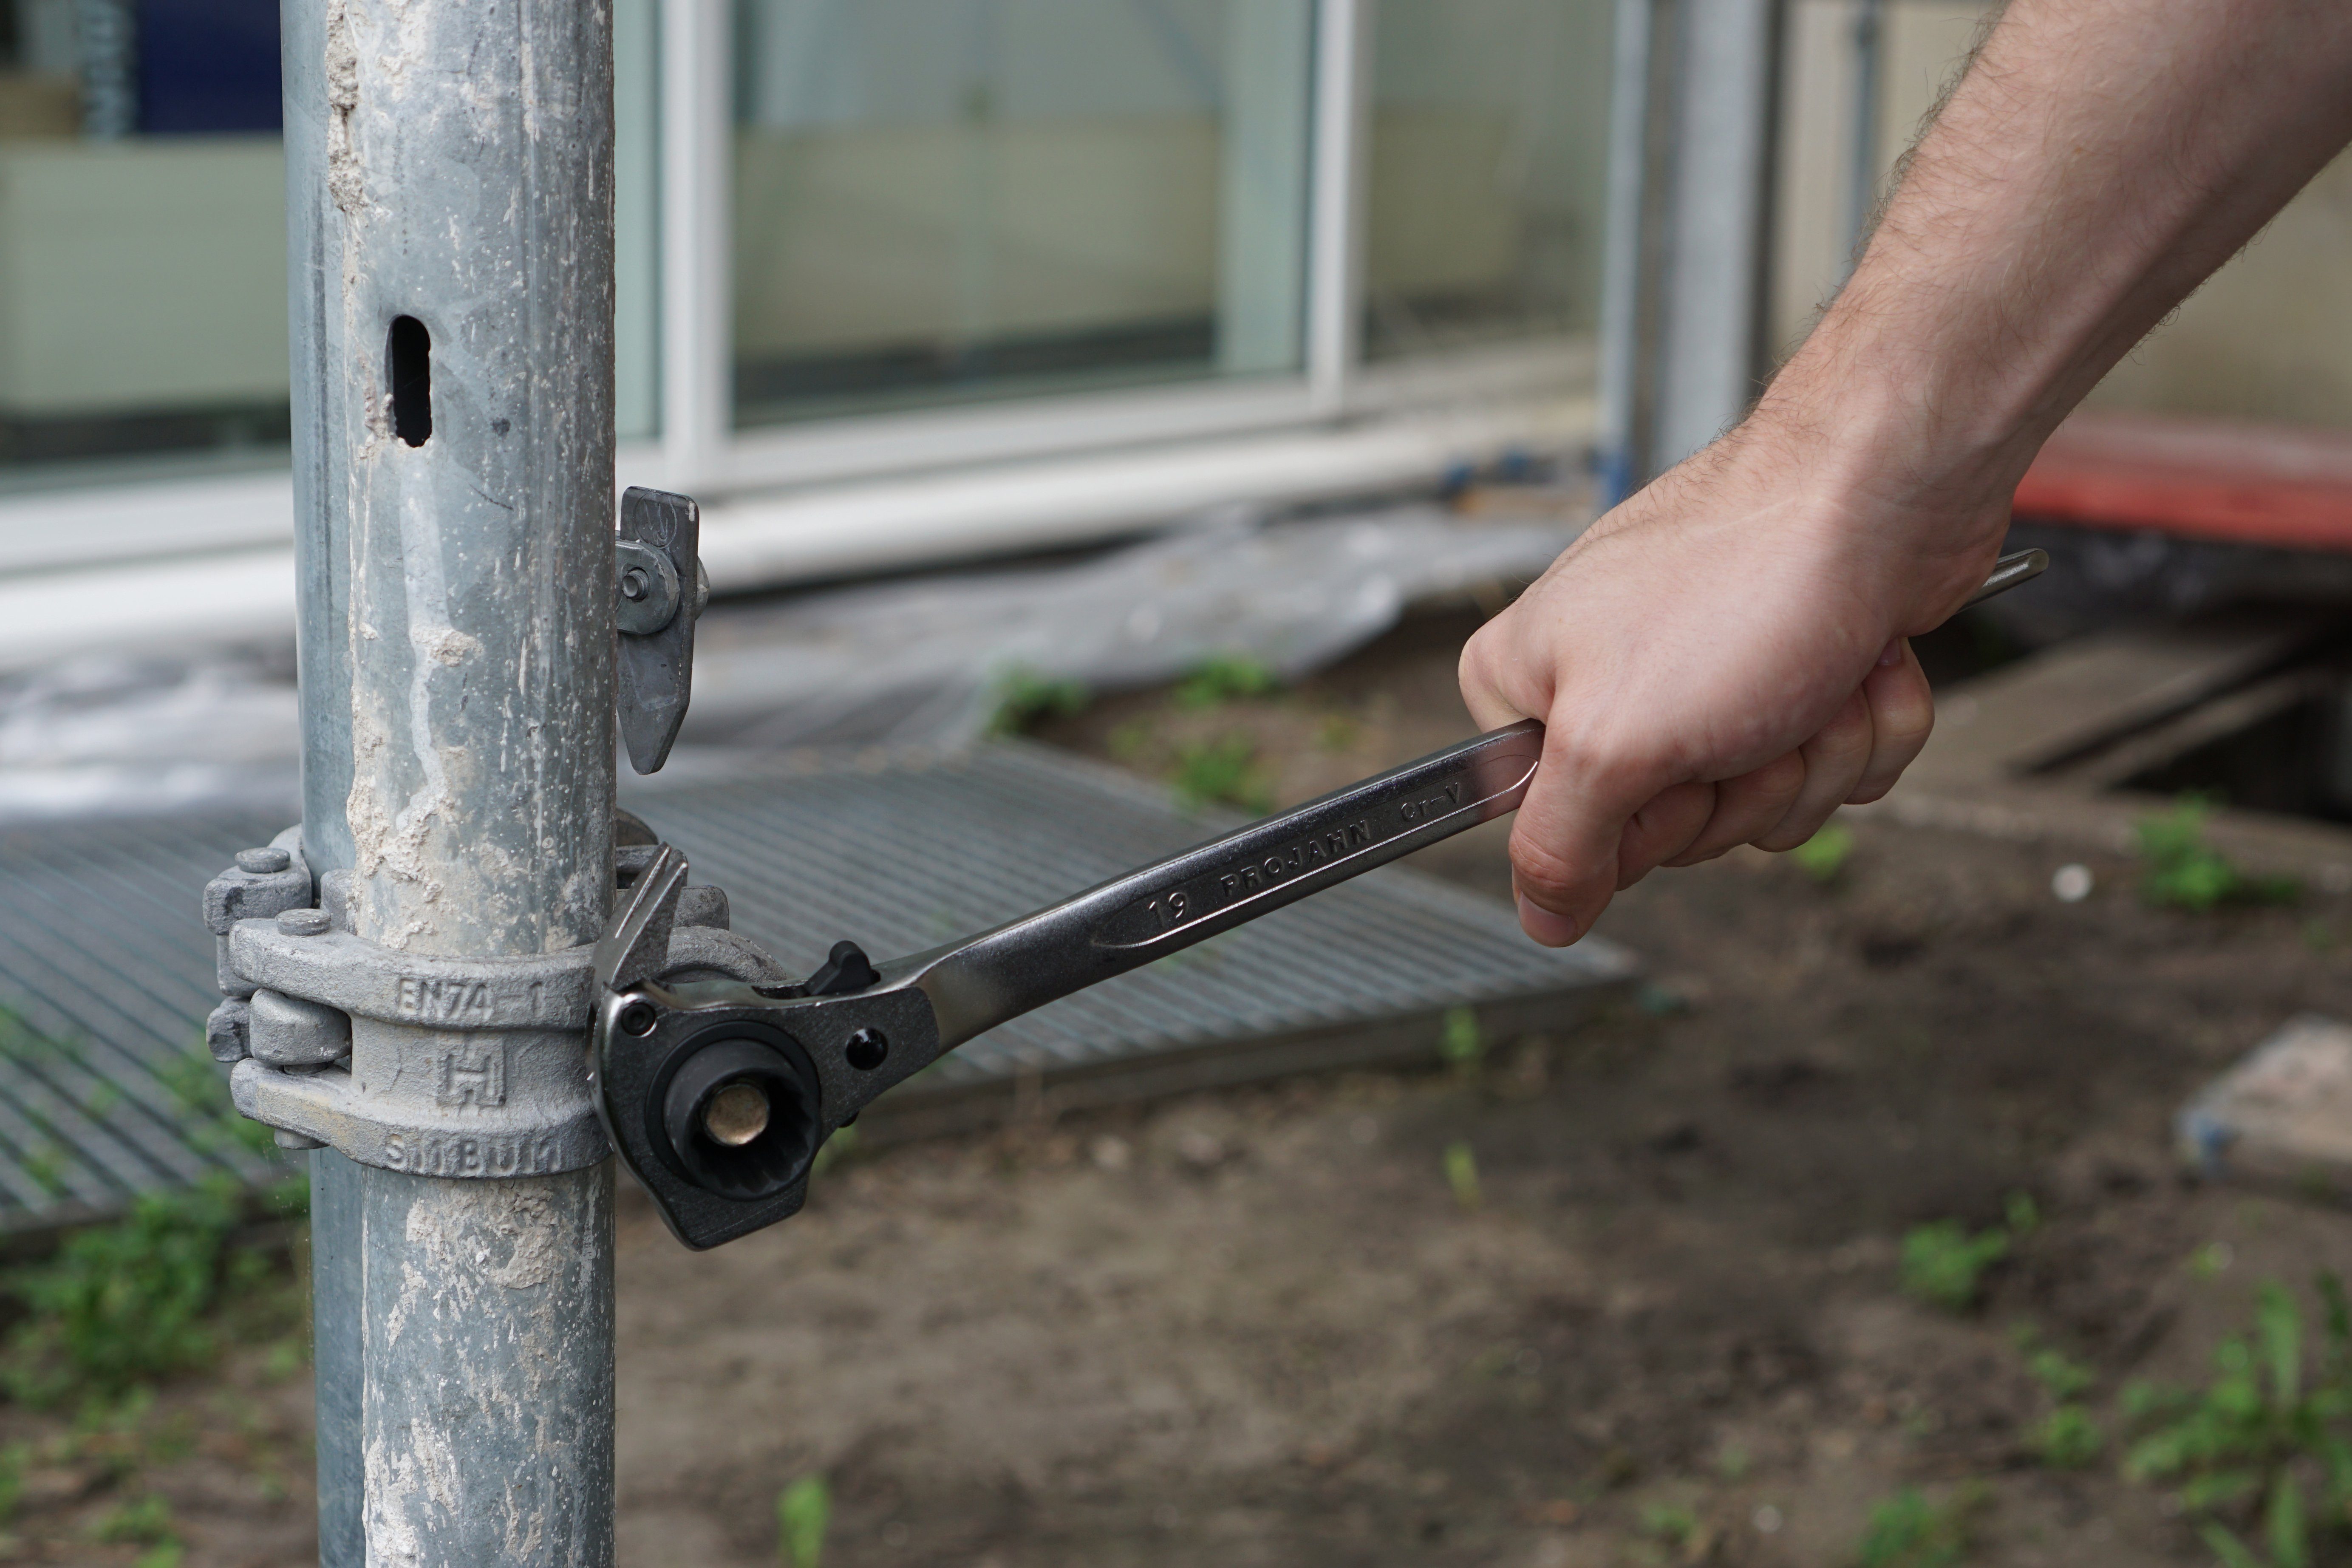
point(918, 279)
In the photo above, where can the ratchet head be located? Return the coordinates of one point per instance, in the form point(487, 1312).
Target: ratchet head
point(717, 1094)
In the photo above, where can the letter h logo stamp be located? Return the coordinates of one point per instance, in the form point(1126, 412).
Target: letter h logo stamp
point(469, 1080)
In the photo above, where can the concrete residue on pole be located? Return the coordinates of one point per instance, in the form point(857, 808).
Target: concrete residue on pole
point(450, 218)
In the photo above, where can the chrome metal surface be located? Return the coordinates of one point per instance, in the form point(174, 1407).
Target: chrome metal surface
point(1166, 907)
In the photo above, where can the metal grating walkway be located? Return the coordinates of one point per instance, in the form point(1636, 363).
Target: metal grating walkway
point(106, 970)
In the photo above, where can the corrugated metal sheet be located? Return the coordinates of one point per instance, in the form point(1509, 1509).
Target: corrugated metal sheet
point(107, 971)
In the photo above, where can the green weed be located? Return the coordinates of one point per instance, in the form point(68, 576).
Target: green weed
point(12, 1479)
point(1223, 676)
point(2180, 870)
point(196, 1083)
point(1675, 1523)
point(2276, 1417)
point(1464, 1043)
point(1223, 772)
point(1943, 1263)
point(1908, 1531)
point(1338, 733)
point(803, 1510)
point(2067, 1438)
point(1824, 855)
point(1023, 696)
point(1461, 1174)
point(124, 1302)
point(145, 1521)
point(2063, 1378)
point(2208, 1262)
point(20, 1042)
point(1129, 741)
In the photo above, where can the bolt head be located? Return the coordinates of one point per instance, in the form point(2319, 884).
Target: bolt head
point(262, 862)
point(866, 1049)
point(303, 922)
point(636, 1018)
point(736, 1115)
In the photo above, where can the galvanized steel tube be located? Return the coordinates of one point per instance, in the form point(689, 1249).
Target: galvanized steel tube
point(449, 175)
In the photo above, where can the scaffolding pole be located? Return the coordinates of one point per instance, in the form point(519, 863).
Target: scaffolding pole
point(450, 232)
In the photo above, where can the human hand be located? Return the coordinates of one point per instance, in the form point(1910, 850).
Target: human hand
point(1721, 660)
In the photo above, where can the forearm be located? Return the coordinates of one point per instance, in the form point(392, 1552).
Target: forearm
point(2100, 159)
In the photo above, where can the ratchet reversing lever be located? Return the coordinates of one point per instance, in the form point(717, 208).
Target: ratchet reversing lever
point(719, 1093)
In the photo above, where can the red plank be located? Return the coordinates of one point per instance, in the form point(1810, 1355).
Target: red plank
point(2197, 478)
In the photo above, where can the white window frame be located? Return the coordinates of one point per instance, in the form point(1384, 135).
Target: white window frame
point(859, 492)
point(701, 452)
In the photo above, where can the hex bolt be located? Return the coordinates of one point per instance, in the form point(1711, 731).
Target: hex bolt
point(303, 922)
point(866, 1048)
point(736, 1115)
point(264, 861)
point(636, 1018)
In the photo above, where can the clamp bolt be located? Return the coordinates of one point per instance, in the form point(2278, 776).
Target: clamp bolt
point(736, 1115)
point(303, 922)
point(262, 862)
point(866, 1048)
point(636, 1018)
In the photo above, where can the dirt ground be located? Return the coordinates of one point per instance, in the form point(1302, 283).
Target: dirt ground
point(1263, 1326)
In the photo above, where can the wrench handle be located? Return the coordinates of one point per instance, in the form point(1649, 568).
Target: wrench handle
point(1163, 907)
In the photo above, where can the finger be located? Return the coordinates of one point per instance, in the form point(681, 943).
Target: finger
point(1834, 759)
point(1902, 712)
point(1746, 806)
point(1663, 830)
point(1565, 844)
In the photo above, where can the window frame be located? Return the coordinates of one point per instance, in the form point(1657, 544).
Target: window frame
point(700, 451)
point(1536, 386)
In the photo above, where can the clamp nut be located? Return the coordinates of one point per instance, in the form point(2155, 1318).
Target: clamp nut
point(303, 922)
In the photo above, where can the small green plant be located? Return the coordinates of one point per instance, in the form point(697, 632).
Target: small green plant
point(146, 1520)
point(2063, 1378)
point(2180, 870)
point(12, 1479)
point(1943, 1263)
point(1675, 1523)
point(1222, 676)
point(1223, 772)
point(803, 1511)
point(1824, 855)
point(1129, 740)
point(2067, 1438)
point(1463, 1042)
point(1023, 696)
point(2208, 1262)
point(1461, 1174)
point(20, 1042)
point(1909, 1530)
point(1338, 733)
point(124, 1302)
point(195, 1082)
point(2276, 1419)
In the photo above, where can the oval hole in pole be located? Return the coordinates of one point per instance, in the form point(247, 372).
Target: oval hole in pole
point(409, 354)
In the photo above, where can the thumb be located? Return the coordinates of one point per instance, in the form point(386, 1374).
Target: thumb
point(1565, 844)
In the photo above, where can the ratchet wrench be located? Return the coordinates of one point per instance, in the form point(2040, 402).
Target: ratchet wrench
point(719, 1093)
